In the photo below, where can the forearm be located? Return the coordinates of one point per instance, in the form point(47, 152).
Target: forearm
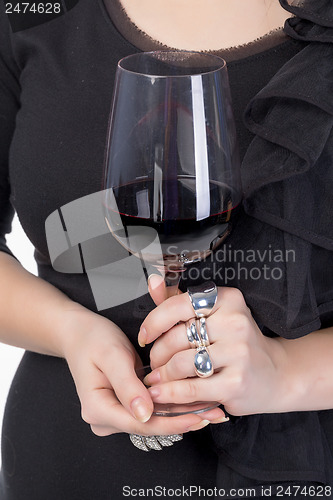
point(32, 312)
point(307, 372)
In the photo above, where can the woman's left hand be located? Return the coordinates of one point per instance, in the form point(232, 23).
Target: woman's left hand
point(248, 373)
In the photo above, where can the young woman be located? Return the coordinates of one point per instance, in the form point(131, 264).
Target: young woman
point(65, 431)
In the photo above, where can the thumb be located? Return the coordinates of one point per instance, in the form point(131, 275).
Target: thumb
point(157, 288)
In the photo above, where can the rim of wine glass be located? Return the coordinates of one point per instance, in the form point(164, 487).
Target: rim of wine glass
point(178, 52)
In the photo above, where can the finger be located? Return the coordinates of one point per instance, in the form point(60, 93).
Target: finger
point(116, 372)
point(110, 417)
point(190, 390)
point(229, 330)
point(165, 316)
point(176, 340)
point(156, 287)
point(215, 416)
point(179, 308)
point(181, 365)
point(131, 392)
point(102, 431)
point(173, 341)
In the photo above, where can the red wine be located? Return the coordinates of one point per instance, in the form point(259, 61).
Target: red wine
point(158, 221)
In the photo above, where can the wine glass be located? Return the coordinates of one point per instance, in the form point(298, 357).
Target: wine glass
point(172, 178)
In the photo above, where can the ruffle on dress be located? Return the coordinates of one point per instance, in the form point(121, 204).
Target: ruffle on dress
point(313, 21)
point(287, 176)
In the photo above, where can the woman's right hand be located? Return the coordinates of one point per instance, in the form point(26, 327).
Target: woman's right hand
point(102, 361)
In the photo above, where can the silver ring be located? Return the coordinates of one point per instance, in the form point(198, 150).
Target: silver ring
point(192, 334)
point(204, 340)
point(203, 365)
point(147, 443)
point(203, 298)
point(189, 334)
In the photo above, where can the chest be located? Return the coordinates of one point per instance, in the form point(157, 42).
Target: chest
point(209, 25)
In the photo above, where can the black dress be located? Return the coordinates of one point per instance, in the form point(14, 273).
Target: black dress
point(56, 82)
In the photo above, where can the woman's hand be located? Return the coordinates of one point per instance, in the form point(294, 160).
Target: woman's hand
point(248, 367)
point(102, 361)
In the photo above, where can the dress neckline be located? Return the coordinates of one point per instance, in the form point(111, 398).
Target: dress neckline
point(118, 16)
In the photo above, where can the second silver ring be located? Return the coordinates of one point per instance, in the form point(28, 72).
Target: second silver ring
point(192, 334)
point(204, 340)
point(198, 339)
point(196, 331)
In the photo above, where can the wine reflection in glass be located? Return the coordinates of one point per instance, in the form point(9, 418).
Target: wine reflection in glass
point(172, 178)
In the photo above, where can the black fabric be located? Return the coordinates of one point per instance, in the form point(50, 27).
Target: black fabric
point(288, 182)
point(52, 454)
point(56, 86)
point(289, 186)
point(9, 104)
point(285, 447)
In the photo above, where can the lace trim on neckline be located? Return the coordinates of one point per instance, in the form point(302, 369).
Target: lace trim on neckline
point(140, 39)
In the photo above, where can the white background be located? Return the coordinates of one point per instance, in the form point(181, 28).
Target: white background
point(11, 356)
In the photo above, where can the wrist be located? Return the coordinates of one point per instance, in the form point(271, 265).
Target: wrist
point(80, 324)
point(74, 320)
point(292, 386)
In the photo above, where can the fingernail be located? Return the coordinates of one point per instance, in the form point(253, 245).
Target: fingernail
point(153, 285)
point(152, 378)
point(140, 409)
point(198, 426)
point(220, 420)
point(142, 339)
point(154, 392)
